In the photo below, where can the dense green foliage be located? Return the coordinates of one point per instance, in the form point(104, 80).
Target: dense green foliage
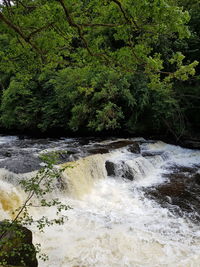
point(91, 66)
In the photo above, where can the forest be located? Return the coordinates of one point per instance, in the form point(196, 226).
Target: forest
point(93, 67)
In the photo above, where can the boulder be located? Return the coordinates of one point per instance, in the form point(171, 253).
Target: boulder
point(128, 174)
point(124, 172)
point(98, 150)
point(134, 148)
point(16, 246)
point(105, 148)
point(152, 153)
point(110, 168)
point(21, 163)
point(119, 144)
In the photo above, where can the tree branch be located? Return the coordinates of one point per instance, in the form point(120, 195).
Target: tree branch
point(26, 7)
point(21, 34)
point(124, 13)
point(79, 29)
point(39, 30)
point(99, 25)
point(8, 7)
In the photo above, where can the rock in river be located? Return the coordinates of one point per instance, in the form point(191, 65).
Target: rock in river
point(16, 246)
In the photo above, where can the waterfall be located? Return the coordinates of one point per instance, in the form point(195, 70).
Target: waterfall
point(10, 199)
point(133, 169)
point(113, 222)
point(81, 174)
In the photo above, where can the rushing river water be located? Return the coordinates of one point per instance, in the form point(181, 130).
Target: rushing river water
point(134, 202)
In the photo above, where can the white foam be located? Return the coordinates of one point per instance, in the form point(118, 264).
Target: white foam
point(117, 226)
point(7, 139)
point(114, 224)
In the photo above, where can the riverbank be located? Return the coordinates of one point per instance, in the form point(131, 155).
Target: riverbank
point(188, 141)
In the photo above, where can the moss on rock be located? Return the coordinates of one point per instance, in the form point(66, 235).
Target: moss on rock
point(16, 248)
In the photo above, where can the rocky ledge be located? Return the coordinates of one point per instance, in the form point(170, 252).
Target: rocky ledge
point(16, 247)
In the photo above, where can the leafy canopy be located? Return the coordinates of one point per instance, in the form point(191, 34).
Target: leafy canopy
point(73, 63)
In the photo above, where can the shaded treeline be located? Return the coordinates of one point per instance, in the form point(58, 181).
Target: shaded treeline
point(100, 66)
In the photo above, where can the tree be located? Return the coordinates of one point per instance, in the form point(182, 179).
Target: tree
point(119, 36)
point(117, 33)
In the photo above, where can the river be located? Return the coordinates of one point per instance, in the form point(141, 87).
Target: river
point(135, 202)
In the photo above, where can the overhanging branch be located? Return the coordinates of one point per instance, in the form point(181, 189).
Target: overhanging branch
point(21, 34)
point(130, 21)
point(79, 30)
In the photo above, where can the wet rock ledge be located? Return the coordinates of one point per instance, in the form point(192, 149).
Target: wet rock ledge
point(16, 248)
point(180, 193)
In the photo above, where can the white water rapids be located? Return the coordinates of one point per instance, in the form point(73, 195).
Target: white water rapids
point(112, 223)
